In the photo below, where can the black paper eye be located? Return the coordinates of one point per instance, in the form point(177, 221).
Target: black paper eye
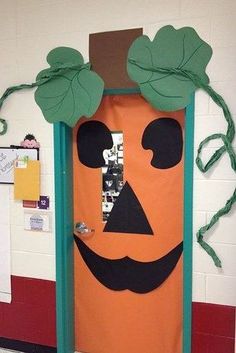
point(164, 137)
point(93, 137)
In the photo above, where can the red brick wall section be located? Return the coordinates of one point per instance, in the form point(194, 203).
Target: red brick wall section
point(213, 328)
point(31, 317)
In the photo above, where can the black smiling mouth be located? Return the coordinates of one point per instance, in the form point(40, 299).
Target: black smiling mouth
point(126, 273)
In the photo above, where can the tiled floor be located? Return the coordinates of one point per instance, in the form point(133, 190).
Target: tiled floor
point(7, 351)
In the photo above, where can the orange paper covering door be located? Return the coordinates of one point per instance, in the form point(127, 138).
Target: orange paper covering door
point(123, 321)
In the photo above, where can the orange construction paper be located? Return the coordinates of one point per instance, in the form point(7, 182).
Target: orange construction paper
point(108, 321)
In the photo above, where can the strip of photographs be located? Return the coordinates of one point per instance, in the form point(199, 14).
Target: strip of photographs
point(112, 174)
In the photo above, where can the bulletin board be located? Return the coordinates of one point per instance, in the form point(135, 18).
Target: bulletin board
point(8, 156)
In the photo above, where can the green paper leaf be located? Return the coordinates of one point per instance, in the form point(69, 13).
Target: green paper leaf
point(171, 49)
point(73, 90)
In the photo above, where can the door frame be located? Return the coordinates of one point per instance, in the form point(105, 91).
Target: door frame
point(63, 178)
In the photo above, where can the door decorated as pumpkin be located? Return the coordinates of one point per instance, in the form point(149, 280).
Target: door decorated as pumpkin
point(128, 267)
point(128, 185)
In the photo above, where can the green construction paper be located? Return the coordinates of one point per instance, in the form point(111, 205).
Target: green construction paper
point(157, 66)
point(74, 91)
point(168, 70)
point(3, 126)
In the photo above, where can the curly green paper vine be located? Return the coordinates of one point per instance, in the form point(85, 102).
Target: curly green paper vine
point(168, 70)
point(67, 90)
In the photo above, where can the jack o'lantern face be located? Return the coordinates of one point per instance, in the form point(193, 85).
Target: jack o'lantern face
point(141, 242)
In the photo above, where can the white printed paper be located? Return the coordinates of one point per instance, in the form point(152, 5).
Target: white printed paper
point(37, 221)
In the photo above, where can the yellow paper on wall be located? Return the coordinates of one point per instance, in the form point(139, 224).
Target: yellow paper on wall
point(27, 181)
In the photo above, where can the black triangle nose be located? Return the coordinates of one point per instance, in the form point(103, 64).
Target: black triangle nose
point(127, 215)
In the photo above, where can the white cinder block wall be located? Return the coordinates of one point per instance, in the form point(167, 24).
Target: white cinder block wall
point(29, 29)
